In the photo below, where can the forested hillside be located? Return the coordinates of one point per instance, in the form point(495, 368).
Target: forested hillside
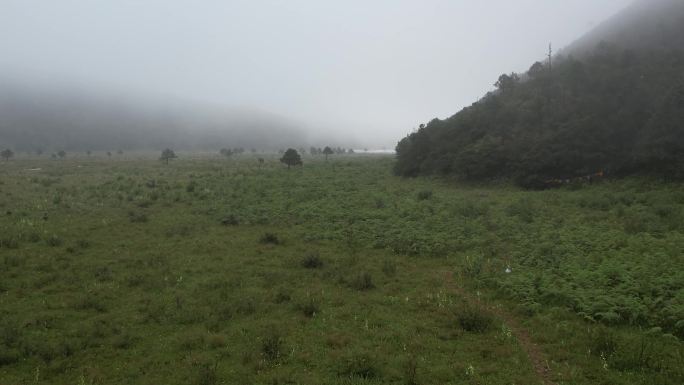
point(615, 109)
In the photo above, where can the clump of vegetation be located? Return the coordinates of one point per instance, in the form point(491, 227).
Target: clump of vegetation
point(312, 261)
point(411, 371)
point(424, 195)
point(12, 243)
point(473, 318)
point(137, 217)
point(310, 307)
point(230, 220)
point(167, 155)
point(359, 365)
point(205, 372)
point(389, 267)
point(272, 346)
point(270, 239)
point(54, 241)
point(363, 282)
point(291, 158)
point(282, 296)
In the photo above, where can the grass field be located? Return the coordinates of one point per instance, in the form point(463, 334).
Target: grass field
point(215, 271)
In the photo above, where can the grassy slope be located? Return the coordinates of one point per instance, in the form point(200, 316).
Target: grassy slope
point(121, 272)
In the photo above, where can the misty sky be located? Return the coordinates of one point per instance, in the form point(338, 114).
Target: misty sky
point(373, 69)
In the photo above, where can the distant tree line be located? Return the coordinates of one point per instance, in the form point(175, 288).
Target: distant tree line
point(615, 111)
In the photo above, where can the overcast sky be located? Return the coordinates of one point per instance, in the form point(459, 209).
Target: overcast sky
point(373, 69)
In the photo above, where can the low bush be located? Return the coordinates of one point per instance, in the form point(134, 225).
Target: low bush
point(272, 346)
point(54, 241)
point(312, 261)
point(424, 195)
point(474, 319)
point(137, 217)
point(359, 366)
point(270, 239)
point(230, 220)
point(363, 282)
point(310, 307)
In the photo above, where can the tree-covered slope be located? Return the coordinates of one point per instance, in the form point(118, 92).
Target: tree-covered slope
point(616, 108)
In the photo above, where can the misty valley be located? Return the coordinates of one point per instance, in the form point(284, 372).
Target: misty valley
point(231, 193)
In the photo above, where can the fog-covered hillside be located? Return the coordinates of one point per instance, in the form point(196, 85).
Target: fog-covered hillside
point(645, 25)
point(49, 118)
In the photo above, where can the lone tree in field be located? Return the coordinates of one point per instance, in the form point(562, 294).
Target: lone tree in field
point(61, 154)
point(167, 155)
point(7, 154)
point(327, 151)
point(291, 158)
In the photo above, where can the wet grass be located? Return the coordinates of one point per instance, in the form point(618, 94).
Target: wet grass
point(211, 271)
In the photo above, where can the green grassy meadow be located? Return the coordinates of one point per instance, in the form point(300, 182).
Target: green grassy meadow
point(221, 271)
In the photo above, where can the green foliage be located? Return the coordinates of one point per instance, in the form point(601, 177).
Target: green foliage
point(359, 366)
point(312, 261)
point(272, 345)
point(563, 123)
point(269, 239)
point(363, 282)
point(291, 158)
point(195, 299)
point(424, 195)
point(167, 155)
point(473, 318)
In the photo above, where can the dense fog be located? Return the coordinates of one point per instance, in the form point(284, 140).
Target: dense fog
point(190, 74)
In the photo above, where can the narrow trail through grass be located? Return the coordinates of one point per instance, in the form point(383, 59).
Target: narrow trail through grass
point(534, 353)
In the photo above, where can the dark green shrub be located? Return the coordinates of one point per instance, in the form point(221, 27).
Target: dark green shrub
point(90, 302)
point(230, 220)
point(123, 341)
point(424, 195)
point(12, 261)
point(363, 282)
point(269, 239)
point(54, 241)
point(603, 342)
point(206, 372)
point(272, 345)
point(137, 217)
point(474, 319)
point(282, 297)
point(9, 243)
point(312, 261)
point(82, 244)
point(389, 267)
point(359, 366)
point(310, 308)
point(9, 356)
point(411, 371)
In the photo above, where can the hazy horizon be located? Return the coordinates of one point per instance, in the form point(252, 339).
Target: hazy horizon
point(371, 72)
